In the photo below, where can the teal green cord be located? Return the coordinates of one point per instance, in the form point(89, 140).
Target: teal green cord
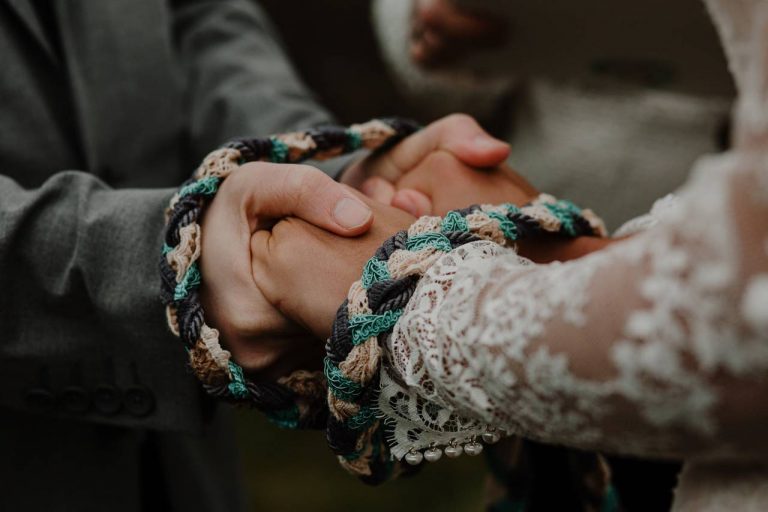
point(190, 280)
point(565, 212)
point(611, 500)
point(205, 186)
point(237, 386)
point(507, 226)
point(342, 387)
point(375, 270)
point(285, 418)
point(430, 239)
point(511, 208)
point(454, 221)
point(363, 327)
point(354, 141)
point(279, 152)
point(363, 419)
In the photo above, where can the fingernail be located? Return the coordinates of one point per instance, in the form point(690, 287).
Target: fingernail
point(351, 213)
point(483, 142)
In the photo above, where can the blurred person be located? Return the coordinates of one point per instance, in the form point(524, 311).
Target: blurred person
point(605, 103)
point(621, 94)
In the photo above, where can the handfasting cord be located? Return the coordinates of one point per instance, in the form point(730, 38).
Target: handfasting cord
point(371, 311)
point(374, 305)
point(294, 401)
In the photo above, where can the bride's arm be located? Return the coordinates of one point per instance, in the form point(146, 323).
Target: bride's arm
point(656, 345)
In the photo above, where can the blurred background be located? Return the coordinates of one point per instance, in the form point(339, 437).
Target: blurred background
point(290, 471)
point(334, 49)
point(340, 61)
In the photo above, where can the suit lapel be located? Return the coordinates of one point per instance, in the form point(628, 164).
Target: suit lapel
point(26, 13)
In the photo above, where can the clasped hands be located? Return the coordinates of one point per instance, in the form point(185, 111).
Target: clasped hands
point(282, 244)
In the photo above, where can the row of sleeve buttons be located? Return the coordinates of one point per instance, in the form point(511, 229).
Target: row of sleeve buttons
point(106, 400)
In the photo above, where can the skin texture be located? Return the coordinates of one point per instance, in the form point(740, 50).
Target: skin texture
point(449, 164)
point(443, 184)
point(255, 196)
point(306, 271)
point(272, 286)
point(259, 337)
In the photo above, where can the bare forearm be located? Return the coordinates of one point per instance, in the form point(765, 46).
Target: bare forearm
point(547, 250)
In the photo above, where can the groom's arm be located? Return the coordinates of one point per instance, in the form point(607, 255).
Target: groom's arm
point(84, 331)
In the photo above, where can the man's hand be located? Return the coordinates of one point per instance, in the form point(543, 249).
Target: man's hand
point(449, 164)
point(442, 32)
point(251, 198)
point(306, 271)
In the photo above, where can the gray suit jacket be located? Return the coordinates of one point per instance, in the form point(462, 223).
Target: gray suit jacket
point(104, 106)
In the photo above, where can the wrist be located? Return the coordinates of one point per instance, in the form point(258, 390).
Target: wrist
point(547, 250)
point(376, 302)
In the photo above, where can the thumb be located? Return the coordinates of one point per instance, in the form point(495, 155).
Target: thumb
point(283, 190)
point(458, 134)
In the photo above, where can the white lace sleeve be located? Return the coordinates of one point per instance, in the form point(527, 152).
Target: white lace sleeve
point(656, 346)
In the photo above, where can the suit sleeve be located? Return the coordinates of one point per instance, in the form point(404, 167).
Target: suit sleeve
point(83, 331)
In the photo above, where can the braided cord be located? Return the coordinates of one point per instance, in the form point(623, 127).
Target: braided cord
point(376, 302)
point(297, 400)
point(350, 379)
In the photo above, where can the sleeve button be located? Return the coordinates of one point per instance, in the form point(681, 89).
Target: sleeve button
point(40, 399)
point(139, 401)
point(75, 400)
point(107, 400)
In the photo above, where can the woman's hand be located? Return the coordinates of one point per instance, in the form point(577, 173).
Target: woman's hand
point(443, 183)
point(306, 271)
point(443, 32)
point(450, 164)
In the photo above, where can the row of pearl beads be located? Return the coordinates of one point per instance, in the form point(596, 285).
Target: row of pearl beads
point(453, 450)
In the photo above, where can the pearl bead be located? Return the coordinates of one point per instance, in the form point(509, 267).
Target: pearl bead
point(433, 454)
point(452, 451)
point(414, 458)
point(473, 448)
point(491, 437)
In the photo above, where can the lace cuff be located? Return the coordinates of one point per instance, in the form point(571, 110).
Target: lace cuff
point(376, 302)
point(428, 420)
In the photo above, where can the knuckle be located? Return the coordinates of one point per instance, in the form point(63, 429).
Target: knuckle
point(305, 184)
point(246, 172)
point(441, 163)
point(234, 180)
point(460, 120)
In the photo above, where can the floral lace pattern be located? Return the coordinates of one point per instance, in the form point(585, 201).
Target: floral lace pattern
point(657, 345)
